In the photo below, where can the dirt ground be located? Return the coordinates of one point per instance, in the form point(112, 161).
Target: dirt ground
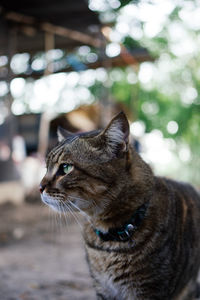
point(41, 256)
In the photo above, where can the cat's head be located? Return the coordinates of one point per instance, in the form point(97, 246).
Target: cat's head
point(85, 170)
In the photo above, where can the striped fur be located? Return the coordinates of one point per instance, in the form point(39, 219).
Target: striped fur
point(108, 183)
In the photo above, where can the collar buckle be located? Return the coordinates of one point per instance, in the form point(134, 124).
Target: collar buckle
point(123, 235)
point(127, 233)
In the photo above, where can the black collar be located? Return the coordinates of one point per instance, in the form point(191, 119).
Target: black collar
point(125, 232)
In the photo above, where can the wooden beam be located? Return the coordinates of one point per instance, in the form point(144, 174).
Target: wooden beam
point(128, 59)
point(54, 29)
point(72, 34)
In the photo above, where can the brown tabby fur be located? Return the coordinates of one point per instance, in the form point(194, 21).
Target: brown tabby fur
point(109, 182)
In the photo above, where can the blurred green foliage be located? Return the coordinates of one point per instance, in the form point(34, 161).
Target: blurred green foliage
point(171, 92)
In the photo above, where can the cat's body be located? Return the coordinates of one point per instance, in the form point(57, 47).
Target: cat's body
point(163, 255)
point(159, 257)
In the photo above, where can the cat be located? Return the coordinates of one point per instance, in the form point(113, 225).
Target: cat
point(141, 234)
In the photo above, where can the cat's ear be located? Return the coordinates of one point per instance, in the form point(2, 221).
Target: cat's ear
point(117, 133)
point(63, 134)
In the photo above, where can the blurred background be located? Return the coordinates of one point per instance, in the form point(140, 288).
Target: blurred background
point(76, 64)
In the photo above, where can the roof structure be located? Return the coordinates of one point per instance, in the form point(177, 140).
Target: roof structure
point(71, 21)
point(40, 25)
point(35, 27)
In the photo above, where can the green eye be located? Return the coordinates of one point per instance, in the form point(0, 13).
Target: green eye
point(67, 168)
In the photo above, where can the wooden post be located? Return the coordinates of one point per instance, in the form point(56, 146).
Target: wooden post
point(49, 45)
point(12, 46)
point(45, 119)
point(43, 135)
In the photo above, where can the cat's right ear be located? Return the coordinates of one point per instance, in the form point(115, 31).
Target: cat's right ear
point(63, 134)
point(117, 134)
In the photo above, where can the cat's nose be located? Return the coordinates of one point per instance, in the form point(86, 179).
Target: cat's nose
point(42, 188)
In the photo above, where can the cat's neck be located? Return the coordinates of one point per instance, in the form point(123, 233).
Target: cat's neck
point(121, 209)
point(134, 188)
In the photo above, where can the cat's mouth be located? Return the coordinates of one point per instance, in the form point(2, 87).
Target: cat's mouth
point(56, 204)
point(50, 201)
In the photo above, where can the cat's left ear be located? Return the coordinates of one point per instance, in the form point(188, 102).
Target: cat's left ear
point(117, 133)
point(63, 134)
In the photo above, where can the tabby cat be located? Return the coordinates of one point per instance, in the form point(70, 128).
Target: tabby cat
point(142, 236)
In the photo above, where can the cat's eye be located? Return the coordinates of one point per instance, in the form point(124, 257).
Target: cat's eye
point(67, 168)
point(64, 169)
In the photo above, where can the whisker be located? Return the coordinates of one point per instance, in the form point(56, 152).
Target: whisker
point(53, 225)
point(75, 217)
point(96, 206)
point(59, 214)
point(63, 207)
point(81, 211)
point(77, 198)
point(56, 218)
